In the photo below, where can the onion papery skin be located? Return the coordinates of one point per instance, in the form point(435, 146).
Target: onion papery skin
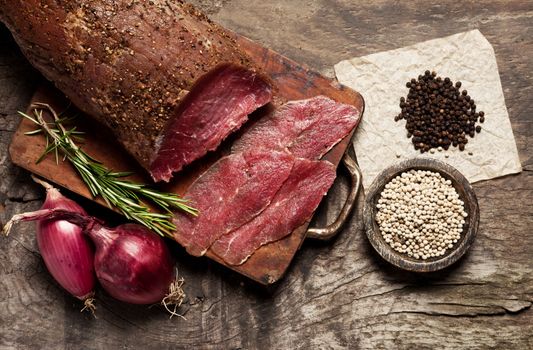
point(132, 263)
point(67, 252)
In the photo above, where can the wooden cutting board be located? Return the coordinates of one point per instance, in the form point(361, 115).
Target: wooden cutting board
point(294, 82)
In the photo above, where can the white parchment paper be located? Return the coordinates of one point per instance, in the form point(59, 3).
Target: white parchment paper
point(467, 57)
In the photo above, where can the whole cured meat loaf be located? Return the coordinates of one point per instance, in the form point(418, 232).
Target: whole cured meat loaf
point(168, 82)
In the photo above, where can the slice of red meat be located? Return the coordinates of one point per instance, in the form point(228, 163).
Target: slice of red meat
point(307, 128)
point(292, 206)
point(218, 105)
point(229, 194)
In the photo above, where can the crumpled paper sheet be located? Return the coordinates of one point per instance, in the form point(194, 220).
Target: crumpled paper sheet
point(467, 57)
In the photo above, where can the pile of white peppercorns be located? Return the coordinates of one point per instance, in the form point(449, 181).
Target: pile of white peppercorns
point(420, 214)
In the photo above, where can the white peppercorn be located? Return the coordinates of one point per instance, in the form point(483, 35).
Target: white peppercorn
point(420, 214)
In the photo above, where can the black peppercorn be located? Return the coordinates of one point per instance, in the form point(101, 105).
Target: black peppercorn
point(437, 113)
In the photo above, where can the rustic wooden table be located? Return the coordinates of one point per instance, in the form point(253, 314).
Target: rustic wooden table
point(335, 295)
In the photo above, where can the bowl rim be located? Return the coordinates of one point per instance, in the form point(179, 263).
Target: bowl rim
point(399, 259)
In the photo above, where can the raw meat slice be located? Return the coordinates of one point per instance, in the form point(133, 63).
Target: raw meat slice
point(132, 64)
point(230, 193)
point(291, 207)
point(307, 128)
point(219, 105)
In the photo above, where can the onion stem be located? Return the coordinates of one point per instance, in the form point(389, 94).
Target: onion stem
point(45, 214)
point(45, 184)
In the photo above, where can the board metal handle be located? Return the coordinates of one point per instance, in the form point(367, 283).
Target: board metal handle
point(331, 230)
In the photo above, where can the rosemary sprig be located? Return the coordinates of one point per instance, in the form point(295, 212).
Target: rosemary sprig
point(117, 192)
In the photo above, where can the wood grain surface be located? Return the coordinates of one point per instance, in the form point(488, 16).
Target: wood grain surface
point(335, 295)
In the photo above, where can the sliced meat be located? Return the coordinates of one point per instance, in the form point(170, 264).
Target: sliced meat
point(307, 128)
point(132, 65)
point(292, 206)
point(230, 193)
point(219, 105)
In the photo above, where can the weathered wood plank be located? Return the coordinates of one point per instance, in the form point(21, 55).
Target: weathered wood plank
point(336, 295)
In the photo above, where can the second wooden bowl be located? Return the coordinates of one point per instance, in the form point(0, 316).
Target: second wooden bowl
point(403, 261)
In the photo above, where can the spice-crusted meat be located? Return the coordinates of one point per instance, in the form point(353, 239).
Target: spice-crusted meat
point(307, 128)
point(229, 194)
point(291, 207)
point(133, 64)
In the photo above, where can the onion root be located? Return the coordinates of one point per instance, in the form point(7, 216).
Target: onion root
point(175, 297)
point(88, 305)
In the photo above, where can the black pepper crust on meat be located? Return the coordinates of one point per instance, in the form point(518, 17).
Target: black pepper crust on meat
point(127, 63)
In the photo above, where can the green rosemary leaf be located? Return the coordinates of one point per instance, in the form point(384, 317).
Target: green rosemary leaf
point(128, 184)
point(121, 174)
point(157, 194)
point(157, 215)
point(162, 204)
point(188, 209)
point(56, 153)
point(89, 158)
point(48, 149)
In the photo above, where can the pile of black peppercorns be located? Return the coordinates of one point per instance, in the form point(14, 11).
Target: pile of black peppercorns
point(438, 114)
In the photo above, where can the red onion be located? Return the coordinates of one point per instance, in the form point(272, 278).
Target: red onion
point(66, 251)
point(132, 263)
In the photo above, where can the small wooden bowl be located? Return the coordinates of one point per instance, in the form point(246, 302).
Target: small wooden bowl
point(403, 261)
